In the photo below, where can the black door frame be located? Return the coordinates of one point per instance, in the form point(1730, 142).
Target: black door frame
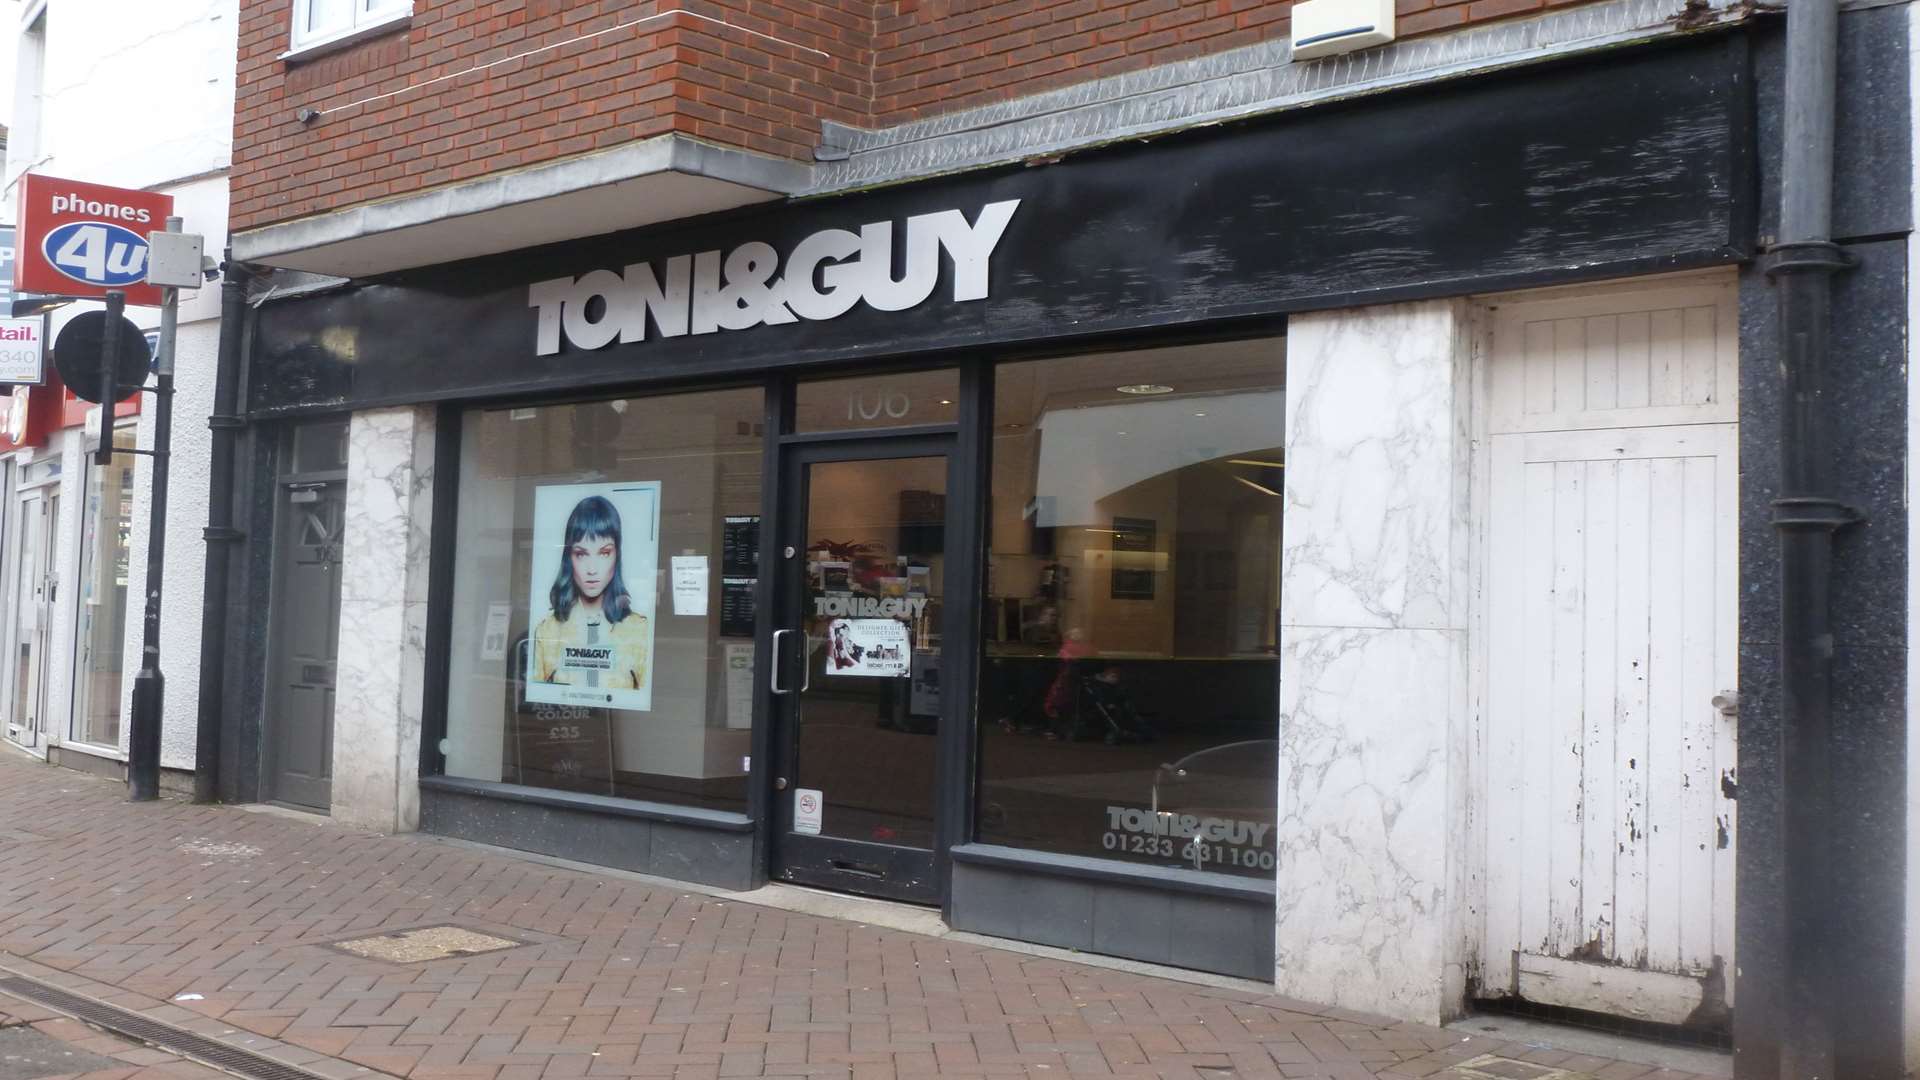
point(911, 874)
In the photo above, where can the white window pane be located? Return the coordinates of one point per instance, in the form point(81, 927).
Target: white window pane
point(326, 17)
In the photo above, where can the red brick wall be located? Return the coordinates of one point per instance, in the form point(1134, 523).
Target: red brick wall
point(678, 73)
point(446, 108)
point(935, 55)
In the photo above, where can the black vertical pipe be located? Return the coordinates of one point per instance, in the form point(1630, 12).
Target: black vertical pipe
point(149, 685)
point(1806, 515)
point(220, 533)
point(109, 374)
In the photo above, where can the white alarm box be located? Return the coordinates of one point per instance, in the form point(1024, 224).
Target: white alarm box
point(1326, 27)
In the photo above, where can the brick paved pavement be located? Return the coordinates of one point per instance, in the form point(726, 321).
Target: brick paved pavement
point(616, 979)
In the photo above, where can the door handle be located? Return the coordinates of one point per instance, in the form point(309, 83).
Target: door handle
point(773, 677)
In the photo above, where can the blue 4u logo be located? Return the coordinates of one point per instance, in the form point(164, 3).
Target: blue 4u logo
point(98, 253)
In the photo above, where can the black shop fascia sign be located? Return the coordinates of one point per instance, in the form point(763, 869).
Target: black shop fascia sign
point(1636, 163)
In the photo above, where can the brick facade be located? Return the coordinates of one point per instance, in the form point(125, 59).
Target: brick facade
point(478, 86)
point(471, 87)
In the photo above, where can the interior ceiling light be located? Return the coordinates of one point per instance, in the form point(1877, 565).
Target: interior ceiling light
point(1261, 488)
point(1145, 388)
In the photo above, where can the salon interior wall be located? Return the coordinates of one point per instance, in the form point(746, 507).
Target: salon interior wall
point(1373, 660)
point(380, 675)
point(673, 739)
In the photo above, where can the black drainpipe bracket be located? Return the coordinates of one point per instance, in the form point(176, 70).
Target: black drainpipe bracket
point(1822, 255)
point(1814, 513)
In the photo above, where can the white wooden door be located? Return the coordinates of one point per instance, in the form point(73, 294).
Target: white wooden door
point(1608, 651)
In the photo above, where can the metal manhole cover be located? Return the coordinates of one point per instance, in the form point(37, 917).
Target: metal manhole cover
point(26, 1053)
point(424, 944)
point(1492, 1067)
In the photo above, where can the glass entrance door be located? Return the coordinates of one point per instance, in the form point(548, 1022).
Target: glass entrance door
point(857, 672)
point(33, 586)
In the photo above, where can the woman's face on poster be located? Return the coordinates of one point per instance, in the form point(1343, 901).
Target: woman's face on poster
point(593, 559)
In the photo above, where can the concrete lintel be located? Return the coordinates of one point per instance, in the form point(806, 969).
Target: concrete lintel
point(737, 176)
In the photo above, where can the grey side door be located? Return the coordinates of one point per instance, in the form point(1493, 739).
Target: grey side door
point(305, 641)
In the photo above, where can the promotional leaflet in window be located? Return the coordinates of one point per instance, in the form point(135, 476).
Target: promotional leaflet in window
point(591, 601)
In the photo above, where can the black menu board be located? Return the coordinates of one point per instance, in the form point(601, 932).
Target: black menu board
point(740, 547)
point(736, 606)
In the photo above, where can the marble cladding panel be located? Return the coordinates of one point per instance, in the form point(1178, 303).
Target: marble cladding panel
point(382, 653)
point(1376, 482)
point(1372, 834)
point(1366, 824)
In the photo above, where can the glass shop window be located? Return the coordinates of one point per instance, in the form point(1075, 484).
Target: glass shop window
point(604, 579)
point(1129, 691)
point(105, 553)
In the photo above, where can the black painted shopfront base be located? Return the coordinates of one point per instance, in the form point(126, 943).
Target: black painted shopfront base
point(701, 847)
point(1202, 922)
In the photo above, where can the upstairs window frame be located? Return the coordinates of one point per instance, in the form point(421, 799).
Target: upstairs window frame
point(365, 18)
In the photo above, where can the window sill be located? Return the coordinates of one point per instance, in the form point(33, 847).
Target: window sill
point(717, 820)
point(300, 54)
point(103, 751)
point(1208, 882)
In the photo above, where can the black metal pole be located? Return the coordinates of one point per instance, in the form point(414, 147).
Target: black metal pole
point(149, 686)
point(220, 534)
point(109, 374)
point(1806, 515)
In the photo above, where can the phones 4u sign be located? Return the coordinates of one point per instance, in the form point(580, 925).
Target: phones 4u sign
point(79, 239)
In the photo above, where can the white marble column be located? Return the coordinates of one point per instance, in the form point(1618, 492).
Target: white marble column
point(380, 676)
point(1373, 678)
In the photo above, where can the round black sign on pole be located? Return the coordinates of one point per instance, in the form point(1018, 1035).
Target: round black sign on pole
point(76, 356)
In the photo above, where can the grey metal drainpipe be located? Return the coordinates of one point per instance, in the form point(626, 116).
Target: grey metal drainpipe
point(220, 533)
point(1806, 515)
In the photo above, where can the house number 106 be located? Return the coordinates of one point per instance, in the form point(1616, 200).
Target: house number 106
point(894, 406)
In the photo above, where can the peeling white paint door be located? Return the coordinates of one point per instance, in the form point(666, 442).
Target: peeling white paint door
point(1608, 653)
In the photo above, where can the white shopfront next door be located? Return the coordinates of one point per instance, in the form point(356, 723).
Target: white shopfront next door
point(1606, 651)
point(32, 586)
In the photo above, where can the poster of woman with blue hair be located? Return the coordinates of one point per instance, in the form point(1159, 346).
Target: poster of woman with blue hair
point(596, 549)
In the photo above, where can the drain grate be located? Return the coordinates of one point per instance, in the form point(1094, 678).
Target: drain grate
point(232, 1059)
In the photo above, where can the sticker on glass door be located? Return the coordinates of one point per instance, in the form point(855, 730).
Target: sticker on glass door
point(807, 804)
point(870, 647)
